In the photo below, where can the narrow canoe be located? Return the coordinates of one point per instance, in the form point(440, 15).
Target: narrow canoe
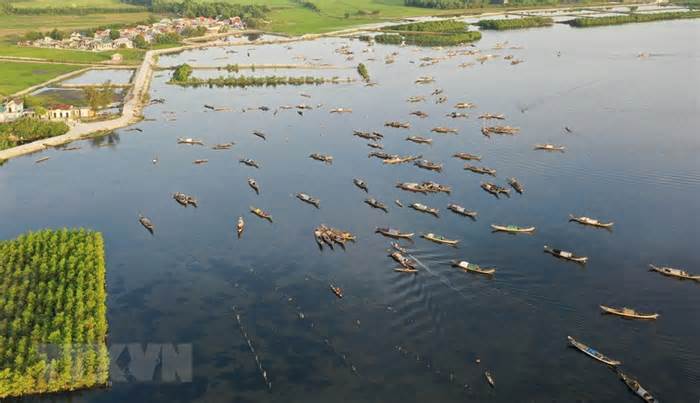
point(590, 221)
point(636, 387)
point(592, 352)
point(677, 273)
point(628, 313)
point(512, 228)
point(439, 239)
point(489, 379)
point(405, 270)
point(565, 255)
point(471, 267)
point(337, 291)
point(393, 233)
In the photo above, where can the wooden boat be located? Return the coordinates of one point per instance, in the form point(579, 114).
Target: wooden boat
point(382, 155)
point(397, 125)
point(424, 209)
point(308, 199)
point(147, 223)
point(189, 141)
point(337, 291)
point(441, 100)
point(341, 110)
point(368, 135)
point(240, 226)
point(465, 105)
point(420, 114)
point(590, 221)
point(419, 140)
point(260, 134)
point(488, 130)
point(565, 255)
point(398, 247)
point(405, 270)
point(489, 116)
point(418, 98)
point(635, 387)
point(512, 228)
point(471, 267)
point(480, 170)
point(224, 146)
point(249, 162)
point(489, 379)
point(394, 233)
point(184, 199)
point(516, 185)
point(456, 208)
point(431, 166)
point(549, 147)
point(199, 162)
point(592, 352)
point(322, 157)
point(254, 185)
point(398, 203)
point(376, 145)
point(360, 184)
point(439, 239)
point(424, 80)
point(467, 156)
point(443, 130)
point(258, 212)
point(677, 273)
point(376, 204)
point(455, 115)
point(495, 189)
point(629, 313)
point(43, 159)
point(516, 61)
point(403, 260)
point(402, 160)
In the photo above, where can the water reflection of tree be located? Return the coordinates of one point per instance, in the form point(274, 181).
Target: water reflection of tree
point(110, 139)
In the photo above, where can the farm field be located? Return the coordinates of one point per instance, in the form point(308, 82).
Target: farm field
point(17, 76)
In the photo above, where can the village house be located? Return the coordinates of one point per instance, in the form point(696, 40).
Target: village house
point(67, 112)
point(11, 109)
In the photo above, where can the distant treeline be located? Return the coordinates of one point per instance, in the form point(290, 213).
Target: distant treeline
point(583, 22)
point(7, 8)
point(515, 23)
point(447, 4)
point(307, 4)
point(426, 39)
point(431, 26)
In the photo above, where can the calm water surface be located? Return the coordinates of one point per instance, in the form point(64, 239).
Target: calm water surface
point(632, 158)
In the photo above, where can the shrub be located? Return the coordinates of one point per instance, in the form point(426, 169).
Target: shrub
point(515, 23)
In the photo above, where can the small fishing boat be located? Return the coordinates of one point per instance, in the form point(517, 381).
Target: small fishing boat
point(456, 208)
point(471, 267)
point(249, 162)
point(376, 204)
point(480, 170)
point(185, 200)
point(437, 91)
point(43, 159)
point(382, 155)
point(635, 387)
point(441, 100)
point(488, 130)
point(489, 379)
point(360, 184)
point(443, 130)
point(418, 98)
point(147, 223)
point(565, 255)
point(337, 291)
point(341, 110)
point(224, 146)
point(394, 233)
point(677, 273)
point(431, 166)
point(368, 135)
point(397, 125)
point(590, 221)
point(258, 212)
point(514, 229)
point(495, 189)
point(260, 134)
point(467, 156)
point(439, 239)
point(455, 115)
point(308, 199)
point(424, 80)
point(549, 147)
point(322, 157)
point(405, 270)
point(420, 114)
point(419, 140)
point(254, 185)
point(489, 116)
point(592, 352)
point(403, 260)
point(516, 185)
point(199, 162)
point(240, 226)
point(465, 105)
point(189, 141)
point(401, 160)
point(629, 313)
point(376, 145)
point(424, 209)
point(398, 247)
point(398, 203)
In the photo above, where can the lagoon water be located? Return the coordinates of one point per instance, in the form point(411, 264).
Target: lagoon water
point(632, 158)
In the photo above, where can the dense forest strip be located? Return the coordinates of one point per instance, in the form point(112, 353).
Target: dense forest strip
point(515, 23)
point(584, 22)
point(420, 39)
point(53, 322)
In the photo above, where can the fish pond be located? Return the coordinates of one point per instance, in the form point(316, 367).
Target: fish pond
point(630, 128)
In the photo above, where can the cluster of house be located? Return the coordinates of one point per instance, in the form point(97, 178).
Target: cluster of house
point(13, 108)
point(102, 39)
